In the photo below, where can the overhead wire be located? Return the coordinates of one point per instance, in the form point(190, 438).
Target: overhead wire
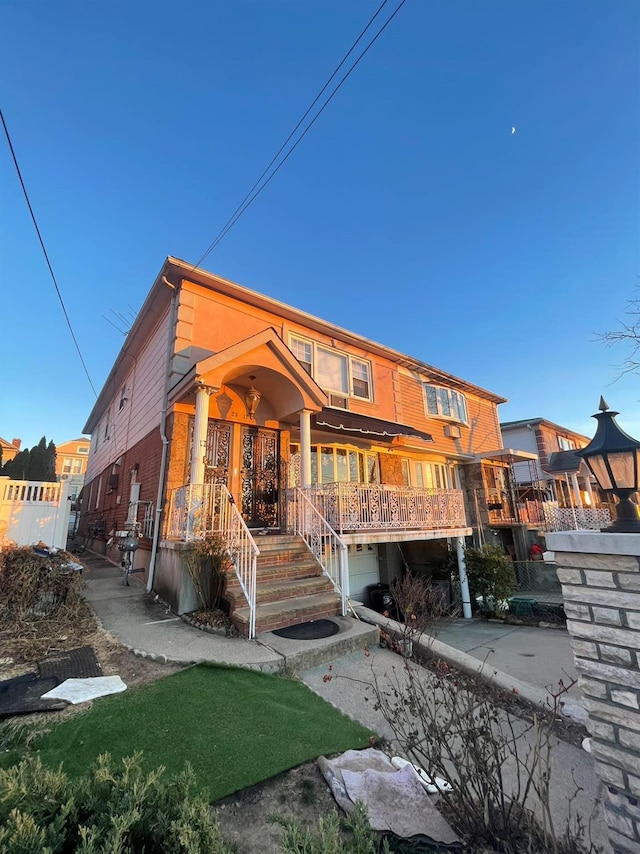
point(46, 255)
point(257, 188)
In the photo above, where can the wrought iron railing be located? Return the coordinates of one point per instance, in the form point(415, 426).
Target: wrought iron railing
point(325, 544)
point(360, 506)
point(196, 509)
point(551, 517)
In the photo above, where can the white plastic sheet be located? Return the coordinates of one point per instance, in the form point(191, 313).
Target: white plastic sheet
point(80, 690)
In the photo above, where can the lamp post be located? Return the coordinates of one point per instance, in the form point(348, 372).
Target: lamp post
point(613, 458)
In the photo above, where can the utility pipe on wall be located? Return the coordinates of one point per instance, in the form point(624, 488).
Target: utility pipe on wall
point(163, 433)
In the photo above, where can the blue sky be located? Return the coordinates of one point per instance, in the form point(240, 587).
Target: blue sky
point(410, 213)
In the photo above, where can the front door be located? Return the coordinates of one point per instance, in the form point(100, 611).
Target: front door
point(217, 452)
point(260, 453)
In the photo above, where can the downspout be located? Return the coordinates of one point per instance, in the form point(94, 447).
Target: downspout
point(163, 434)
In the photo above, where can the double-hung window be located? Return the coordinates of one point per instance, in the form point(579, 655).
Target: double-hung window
point(338, 373)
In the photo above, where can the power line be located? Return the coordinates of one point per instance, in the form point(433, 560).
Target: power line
point(35, 224)
point(253, 193)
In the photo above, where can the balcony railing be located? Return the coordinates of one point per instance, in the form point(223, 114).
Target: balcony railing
point(351, 507)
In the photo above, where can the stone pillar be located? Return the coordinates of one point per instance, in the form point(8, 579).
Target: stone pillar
point(600, 576)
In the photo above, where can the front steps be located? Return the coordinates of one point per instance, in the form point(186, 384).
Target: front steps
point(290, 588)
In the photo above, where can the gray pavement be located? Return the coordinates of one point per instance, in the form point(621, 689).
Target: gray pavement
point(538, 656)
point(535, 655)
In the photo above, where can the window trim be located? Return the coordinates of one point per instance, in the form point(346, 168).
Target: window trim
point(351, 361)
point(457, 413)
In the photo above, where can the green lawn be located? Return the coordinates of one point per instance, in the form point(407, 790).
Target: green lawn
point(236, 728)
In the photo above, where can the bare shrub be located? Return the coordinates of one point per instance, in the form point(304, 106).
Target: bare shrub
point(497, 764)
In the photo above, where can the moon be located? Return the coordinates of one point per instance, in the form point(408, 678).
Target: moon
point(513, 130)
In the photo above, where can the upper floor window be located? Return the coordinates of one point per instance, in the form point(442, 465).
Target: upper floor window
point(71, 466)
point(445, 403)
point(123, 397)
point(333, 370)
point(82, 449)
point(566, 444)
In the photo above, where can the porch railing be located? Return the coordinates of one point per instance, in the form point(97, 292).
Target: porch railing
point(551, 517)
point(196, 509)
point(325, 544)
point(359, 506)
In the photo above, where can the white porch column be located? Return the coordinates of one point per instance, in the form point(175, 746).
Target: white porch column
point(200, 435)
point(464, 582)
point(305, 447)
point(576, 489)
point(587, 484)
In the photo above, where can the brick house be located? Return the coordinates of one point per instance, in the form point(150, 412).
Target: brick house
point(336, 459)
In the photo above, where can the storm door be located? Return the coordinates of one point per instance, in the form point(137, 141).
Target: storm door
point(259, 474)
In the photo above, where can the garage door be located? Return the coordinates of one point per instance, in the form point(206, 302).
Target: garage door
point(363, 568)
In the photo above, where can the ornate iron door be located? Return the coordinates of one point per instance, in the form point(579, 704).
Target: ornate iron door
point(217, 452)
point(260, 477)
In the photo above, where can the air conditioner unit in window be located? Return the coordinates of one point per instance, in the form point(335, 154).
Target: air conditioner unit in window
point(452, 431)
point(337, 400)
point(64, 477)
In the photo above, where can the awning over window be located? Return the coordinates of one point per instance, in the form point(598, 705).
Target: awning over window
point(362, 425)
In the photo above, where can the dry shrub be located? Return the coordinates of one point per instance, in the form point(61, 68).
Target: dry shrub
point(41, 604)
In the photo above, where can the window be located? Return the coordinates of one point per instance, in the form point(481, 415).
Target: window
point(566, 444)
point(123, 397)
point(435, 476)
point(303, 351)
point(330, 464)
point(445, 403)
point(360, 379)
point(334, 371)
point(76, 466)
point(66, 465)
point(82, 450)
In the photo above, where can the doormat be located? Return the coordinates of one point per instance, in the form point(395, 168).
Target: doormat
point(74, 664)
point(313, 630)
point(22, 695)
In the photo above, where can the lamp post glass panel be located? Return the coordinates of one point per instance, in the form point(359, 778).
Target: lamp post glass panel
point(613, 458)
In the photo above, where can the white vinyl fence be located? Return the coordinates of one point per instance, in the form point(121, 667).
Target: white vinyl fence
point(34, 511)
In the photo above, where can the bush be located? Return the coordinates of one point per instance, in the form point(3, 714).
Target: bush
point(114, 810)
point(349, 835)
point(491, 576)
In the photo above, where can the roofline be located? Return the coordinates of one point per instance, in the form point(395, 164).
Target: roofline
point(313, 322)
point(546, 422)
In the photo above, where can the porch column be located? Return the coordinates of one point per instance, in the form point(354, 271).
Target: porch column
point(200, 434)
point(587, 485)
point(576, 489)
point(464, 582)
point(305, 447)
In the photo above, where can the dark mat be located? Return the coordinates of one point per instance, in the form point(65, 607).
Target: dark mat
point(75, 664)
point(23, 695)
point(313, 630)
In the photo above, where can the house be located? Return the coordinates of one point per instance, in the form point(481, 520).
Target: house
point(312, 449)
point(555, 490)
point(9, 449)
point(71, 464)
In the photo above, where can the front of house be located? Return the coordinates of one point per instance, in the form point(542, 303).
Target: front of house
point(229, 410)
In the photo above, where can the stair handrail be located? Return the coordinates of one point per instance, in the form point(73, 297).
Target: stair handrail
point(243, 551)
point(327, 547)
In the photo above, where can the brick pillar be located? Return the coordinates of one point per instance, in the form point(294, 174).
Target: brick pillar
point(600, 576)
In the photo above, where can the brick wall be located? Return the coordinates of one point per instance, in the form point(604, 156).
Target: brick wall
point(600, 576)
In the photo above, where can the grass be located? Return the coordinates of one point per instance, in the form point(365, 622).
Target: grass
point(235, 727)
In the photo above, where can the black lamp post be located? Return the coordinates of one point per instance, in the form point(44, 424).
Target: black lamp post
point(614, 460)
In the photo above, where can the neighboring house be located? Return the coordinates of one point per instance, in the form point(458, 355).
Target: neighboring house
point(228, 409)
point(556, 489)
point(9, 449)
point(71, 464)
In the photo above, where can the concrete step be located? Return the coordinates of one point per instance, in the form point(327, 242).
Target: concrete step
point(353, 636)
point(288, 612)
point(279, 590)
